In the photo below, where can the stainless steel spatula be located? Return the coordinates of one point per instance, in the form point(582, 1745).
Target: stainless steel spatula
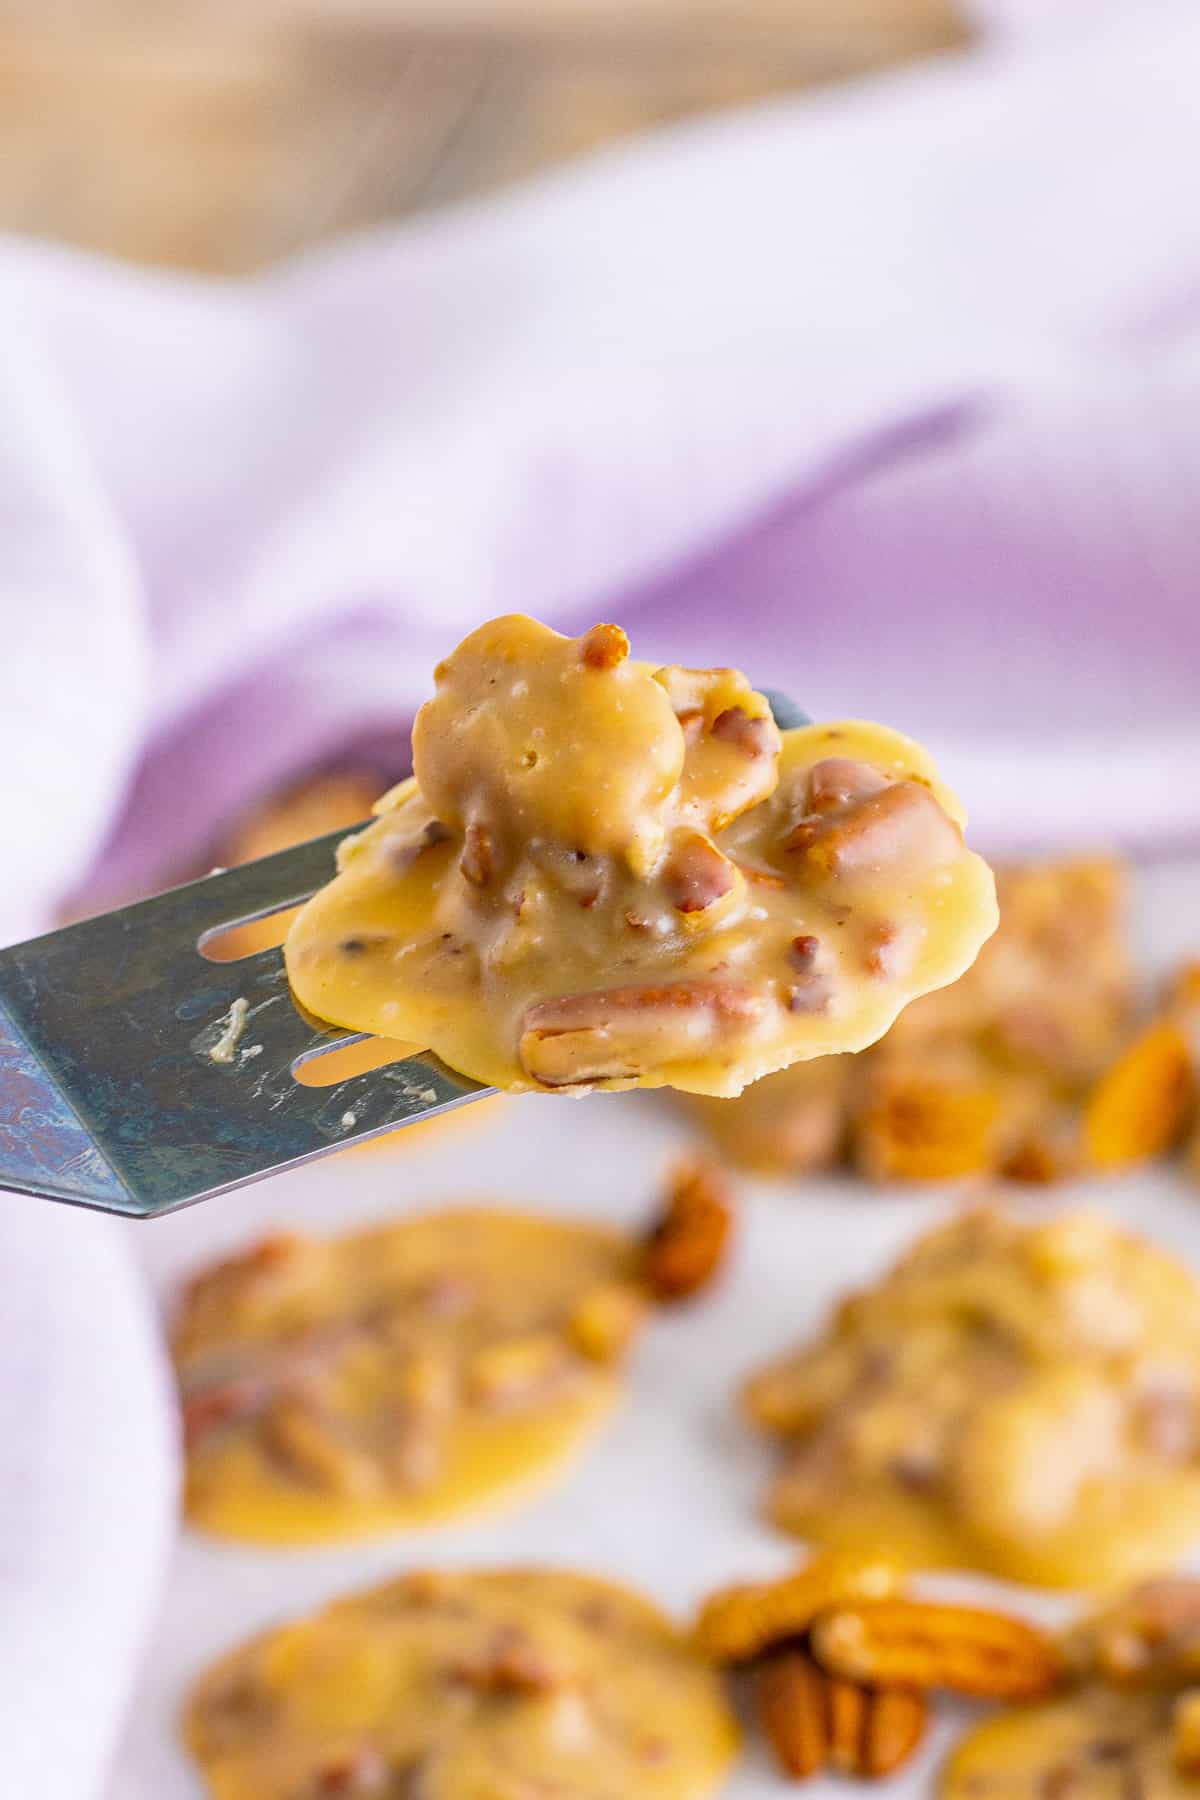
point(110, 1093)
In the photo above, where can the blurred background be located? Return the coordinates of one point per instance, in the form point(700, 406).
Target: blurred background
point(220, 136)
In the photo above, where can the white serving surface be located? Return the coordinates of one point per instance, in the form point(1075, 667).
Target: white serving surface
point(666, 1499)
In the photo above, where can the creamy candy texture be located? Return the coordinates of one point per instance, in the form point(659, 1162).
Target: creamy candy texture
point(1129, 1729)
point(608, 875)
point(400, 1375)
point(1019, 1398)
point(504, 1685)
point(1093, 1745)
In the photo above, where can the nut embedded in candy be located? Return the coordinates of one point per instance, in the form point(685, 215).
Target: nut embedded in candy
point(600, 871)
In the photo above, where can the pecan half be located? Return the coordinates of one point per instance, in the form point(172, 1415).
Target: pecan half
point(686, 1245)
point(790, 1691)
point(900, 825)
point(897, 1642)
point(816, 1721)
point(618, 1033)
point(738, 1623)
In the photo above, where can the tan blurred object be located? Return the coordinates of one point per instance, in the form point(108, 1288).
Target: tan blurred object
point(219, 136)
point(985, 1076)
point(785, 1124)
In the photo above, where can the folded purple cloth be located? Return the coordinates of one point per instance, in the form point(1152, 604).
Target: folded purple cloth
point(891, 396)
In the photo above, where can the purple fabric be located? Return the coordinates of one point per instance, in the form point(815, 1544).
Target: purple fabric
point(889, 395)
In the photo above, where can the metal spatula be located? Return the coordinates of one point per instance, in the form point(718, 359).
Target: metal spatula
point(110, 1094)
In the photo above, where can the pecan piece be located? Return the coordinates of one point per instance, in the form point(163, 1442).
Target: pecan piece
point(477, 861)
point(510, 1664)
point(752, 736)
point(835, 782)
point(899, 827)
point(686, 1245)
point(301, 1437)
point(360, 1770)
point(1140, 1105)
point(617, 1033)
point(603, 647)
point(897, 1642)
point(696, 874)
point(232, 1402)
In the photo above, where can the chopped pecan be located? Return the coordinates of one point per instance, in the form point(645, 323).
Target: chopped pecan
point(686, 1245)
point(1140, 1105)
point(242, 1280)
point(898, 1642)
point(300, 1436)
point(603, 647)
point(477, 861)
point(901, 825)
point(360, 1770)
point(738, 1623)
point(696, 874)
point(888, 950)
point(915, 1125)
point(617, 1033)
point(753, 736)
point(226, 1403)
point(838, 780)
point(511, 1663)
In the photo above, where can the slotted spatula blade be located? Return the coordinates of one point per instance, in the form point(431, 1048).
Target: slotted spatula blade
point(109, 1093)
